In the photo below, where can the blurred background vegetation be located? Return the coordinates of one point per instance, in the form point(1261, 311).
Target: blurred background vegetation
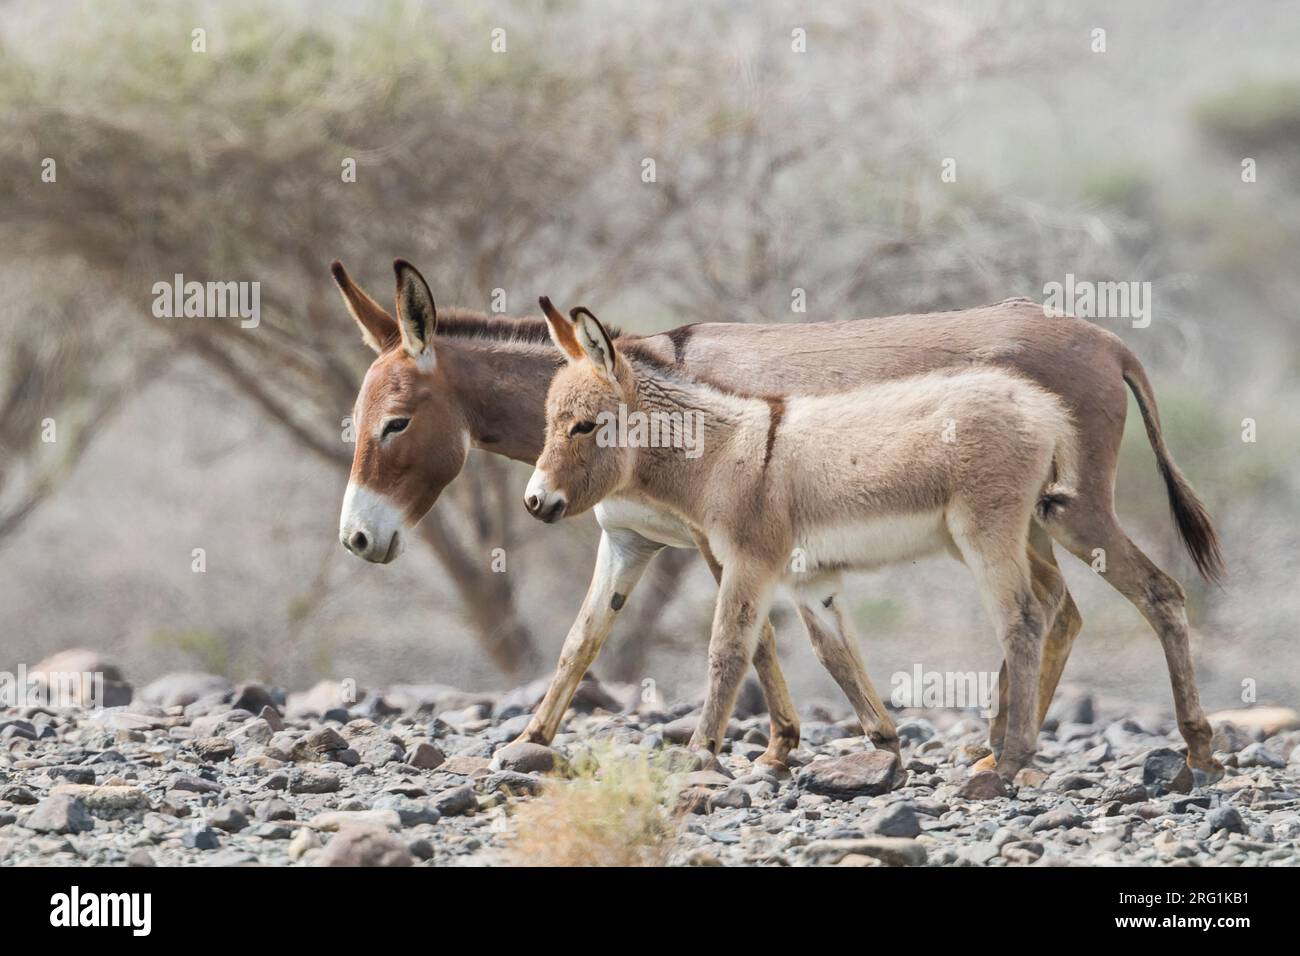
point(521, 170)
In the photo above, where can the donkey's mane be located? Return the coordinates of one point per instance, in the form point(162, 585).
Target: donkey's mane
point(637, 353)
point(457, 323)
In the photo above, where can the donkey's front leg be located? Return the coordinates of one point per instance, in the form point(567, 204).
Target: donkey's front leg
point(782, 717)
point(620, 561)
point(743, 601)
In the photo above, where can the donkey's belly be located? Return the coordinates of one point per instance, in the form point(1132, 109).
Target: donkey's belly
point(646, 519)
point(871, 543)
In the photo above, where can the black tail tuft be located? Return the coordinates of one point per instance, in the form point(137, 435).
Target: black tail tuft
point(1189, 513)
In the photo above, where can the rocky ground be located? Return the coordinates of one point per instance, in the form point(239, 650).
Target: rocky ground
point(195, 771)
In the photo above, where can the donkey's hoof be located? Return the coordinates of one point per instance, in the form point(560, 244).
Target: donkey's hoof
point(988, 762)
point(1204, 777)
point(773, 765)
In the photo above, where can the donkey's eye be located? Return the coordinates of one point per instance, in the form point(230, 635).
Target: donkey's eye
point(394, 425)
point(582, 428)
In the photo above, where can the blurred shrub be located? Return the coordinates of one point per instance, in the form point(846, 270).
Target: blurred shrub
point(615, 812)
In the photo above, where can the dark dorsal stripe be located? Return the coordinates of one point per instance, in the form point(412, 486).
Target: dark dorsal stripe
point(468, 324)
point(775, 412)
point(679, 337)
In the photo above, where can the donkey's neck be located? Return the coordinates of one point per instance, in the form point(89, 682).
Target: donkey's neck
point(719, 423)
point(501, 387)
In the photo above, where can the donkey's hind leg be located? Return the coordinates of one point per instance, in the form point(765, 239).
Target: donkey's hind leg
point(1161, 600)
point(1063, 625)
point(836, 646)
point(1001, 569)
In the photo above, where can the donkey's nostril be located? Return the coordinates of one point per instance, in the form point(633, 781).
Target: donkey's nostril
point(531, 503)
point(359, 542)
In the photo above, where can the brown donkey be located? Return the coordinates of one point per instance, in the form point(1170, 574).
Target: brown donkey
point(446, 381)
point(963, 461)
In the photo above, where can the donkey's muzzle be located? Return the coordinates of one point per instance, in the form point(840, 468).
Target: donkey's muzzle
point(363, 546)
point(544, 509)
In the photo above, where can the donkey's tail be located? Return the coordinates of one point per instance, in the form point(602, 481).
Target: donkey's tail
point(1189, 514)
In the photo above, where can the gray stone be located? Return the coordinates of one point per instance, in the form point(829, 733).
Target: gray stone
point(524, 757)
point(229, 818)
point(1066, 815)
point(426, 756)
point(891, 851)
point(1166, 770)
point(313, 781)
point(866, 773)
point(200, 838)
point(363, 846)
point(410, 813)
point(895, 820)
point(214, 749)
point(19, 795)
point(680, 730)
point(319, 745)
point(60, 813)
point(378, 751)
point(732, 798)
point(273, 831)
point(456, 802)
point(1258, 755)
point(193, 784)
point(985, 785)
point(107, 801)
point(1022, 851)
point(1225, 818)
point(275, 809)
point(341, 819)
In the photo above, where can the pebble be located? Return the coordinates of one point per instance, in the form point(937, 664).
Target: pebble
point(313, 781)
point(985, 785)
point(895, 820)
point(866, 773)
point(524, 757)
point(60, 813)
point(363, 846)
point(1167, 770)
point(225, 779)
point(426, 756)
point(338, 819)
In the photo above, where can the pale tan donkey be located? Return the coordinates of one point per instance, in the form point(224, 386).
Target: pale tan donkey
point(445, 381)
point(960, 461)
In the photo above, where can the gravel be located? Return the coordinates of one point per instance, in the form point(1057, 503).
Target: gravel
point(201, 771)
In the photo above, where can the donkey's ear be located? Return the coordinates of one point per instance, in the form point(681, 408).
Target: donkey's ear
point(416, 315)
point(561, 330)
point(595, 342)
point(378, 328)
